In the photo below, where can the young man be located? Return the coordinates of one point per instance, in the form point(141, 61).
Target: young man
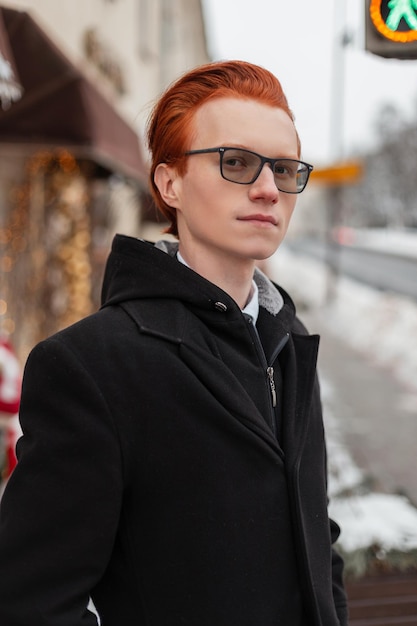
point(173, 461)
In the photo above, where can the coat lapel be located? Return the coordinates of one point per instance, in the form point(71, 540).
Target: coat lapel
point(205, 362)
point(299, 381)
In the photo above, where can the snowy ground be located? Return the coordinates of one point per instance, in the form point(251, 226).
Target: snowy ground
point(381, 324)
point(384, 327)
point(402, 242)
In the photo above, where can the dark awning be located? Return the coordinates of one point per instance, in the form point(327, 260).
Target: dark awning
point(61, 107)
point(10, 88)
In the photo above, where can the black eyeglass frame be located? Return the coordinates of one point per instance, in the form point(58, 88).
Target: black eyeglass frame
point(221, 150)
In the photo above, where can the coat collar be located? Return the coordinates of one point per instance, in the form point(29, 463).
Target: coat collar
point(164, 299)
point(298, 361)
point(269, 297)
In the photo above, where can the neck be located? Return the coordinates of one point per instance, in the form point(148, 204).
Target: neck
point(234, 278)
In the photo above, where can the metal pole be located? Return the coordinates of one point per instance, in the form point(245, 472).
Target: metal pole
point(337, 115)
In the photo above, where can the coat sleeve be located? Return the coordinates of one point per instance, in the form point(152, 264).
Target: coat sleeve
point(60, 510)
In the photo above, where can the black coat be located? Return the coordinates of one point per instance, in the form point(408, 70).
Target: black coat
point(151, 475)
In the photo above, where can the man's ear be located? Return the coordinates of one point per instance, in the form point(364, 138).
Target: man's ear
point(166, 179)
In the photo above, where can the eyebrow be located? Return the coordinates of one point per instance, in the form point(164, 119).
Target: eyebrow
point(244, 147)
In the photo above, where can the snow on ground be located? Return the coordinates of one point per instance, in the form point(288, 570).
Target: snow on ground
point(402, 241)
point(367, 518)
point(388, 521)
point(383, 326)
point(345, 476)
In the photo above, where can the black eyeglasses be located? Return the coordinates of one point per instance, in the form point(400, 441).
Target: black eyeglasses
point(244, 166)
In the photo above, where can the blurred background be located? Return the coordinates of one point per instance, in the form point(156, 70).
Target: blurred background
point(77, 82)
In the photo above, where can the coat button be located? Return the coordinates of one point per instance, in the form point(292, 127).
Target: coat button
point(220, 306)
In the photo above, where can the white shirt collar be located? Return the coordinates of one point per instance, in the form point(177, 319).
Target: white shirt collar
point(252, 306)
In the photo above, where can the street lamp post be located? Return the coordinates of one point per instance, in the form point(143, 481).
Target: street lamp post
point(341, 40)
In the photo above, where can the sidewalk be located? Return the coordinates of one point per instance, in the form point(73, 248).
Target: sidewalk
point(376, 415)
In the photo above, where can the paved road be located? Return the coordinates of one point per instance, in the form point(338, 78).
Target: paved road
point(382, 271)
point(376, 414)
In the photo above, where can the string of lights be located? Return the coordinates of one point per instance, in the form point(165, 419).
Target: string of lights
point(45, 250)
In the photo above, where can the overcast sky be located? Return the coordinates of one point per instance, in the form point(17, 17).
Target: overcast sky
point(295, 40)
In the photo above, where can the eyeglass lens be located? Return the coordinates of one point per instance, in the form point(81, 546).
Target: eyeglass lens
point(243, 166)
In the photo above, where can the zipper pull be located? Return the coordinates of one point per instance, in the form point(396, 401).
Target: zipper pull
point(270, 372)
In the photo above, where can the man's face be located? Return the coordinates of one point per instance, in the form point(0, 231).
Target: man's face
point(219, 219)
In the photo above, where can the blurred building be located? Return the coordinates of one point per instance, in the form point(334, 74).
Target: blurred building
point(77, 82)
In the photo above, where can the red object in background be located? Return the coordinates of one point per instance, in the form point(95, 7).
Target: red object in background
point(13, 433)
point(10, 379)
point(10, 385)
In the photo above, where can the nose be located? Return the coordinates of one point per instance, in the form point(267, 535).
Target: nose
point(264, 187)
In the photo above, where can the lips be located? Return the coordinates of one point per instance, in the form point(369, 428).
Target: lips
point(259, 217)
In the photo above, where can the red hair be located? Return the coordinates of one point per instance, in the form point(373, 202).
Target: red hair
point(170, 126)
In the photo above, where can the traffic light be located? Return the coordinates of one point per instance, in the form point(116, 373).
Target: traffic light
point(391, 28)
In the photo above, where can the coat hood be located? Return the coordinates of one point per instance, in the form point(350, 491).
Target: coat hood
point(138, 269)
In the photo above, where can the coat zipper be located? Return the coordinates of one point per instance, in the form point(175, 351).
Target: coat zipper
point(270, 372)
point(269, 368)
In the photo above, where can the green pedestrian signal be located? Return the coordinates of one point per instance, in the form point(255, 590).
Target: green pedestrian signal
point(391, 28)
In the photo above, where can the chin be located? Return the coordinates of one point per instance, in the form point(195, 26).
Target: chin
point(261, 254)
point(259, 248)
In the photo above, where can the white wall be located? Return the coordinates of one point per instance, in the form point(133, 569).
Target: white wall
point(153, 41)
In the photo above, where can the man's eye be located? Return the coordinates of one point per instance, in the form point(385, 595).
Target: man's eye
point(235, 162)
point(285, 170)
